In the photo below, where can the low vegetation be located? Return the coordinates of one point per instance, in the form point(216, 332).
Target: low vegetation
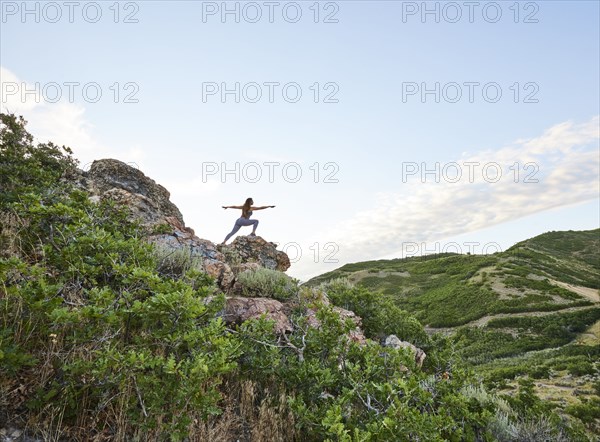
point(267, 283)
point(526, 313)
point(104, 337)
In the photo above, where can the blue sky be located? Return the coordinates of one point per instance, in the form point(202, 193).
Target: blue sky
point(366, 142)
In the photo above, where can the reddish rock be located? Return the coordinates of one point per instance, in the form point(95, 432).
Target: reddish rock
point(179, 226)
point(239, 309)
point(220, 272)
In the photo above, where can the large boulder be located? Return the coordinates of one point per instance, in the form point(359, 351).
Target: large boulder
point(213, 261)
point(256, 249)
point(219, 261)
point(240, 308)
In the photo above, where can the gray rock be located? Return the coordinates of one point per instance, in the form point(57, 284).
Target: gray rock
point(113, 179)
point(256, 249)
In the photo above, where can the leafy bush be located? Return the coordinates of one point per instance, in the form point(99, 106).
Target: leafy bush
point(587, 412)
point(380, 315)
point(117, 334)
point(27, 168)
point(560, 324)
point(175, 263)
point(102, 337)
point(346, 391)
point(88, 324)
point(267, 283)
point(161, 229)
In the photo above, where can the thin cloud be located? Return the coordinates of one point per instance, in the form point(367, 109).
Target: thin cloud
point(565, 165)
point(63, 123)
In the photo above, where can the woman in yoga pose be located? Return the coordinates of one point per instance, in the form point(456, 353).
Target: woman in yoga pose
point(245, 220)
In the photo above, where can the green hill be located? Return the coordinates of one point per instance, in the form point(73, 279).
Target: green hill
point(118, 324)
point(532, 310)
point(555, 271)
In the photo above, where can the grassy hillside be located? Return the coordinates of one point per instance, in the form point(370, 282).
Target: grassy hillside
point(532, 310)
point(555, 271)
point(103, 336)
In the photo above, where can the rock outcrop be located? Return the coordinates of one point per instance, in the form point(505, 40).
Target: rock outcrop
point(213, 261)
point(149, 203)
point(256, 249)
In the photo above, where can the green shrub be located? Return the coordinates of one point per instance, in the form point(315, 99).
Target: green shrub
point(267, 283)
point(588, 411)
point(233, 258)
point(89, 327)
point(346, 391)
point(117, 333)
point(380, 315)
point(104, 337)
point(581, 368)
point(25, 167)
point(174, 263)
point(161, 229)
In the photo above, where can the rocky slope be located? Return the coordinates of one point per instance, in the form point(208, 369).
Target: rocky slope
point(149, 203)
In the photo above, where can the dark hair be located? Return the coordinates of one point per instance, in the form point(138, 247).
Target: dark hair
point(246, 207)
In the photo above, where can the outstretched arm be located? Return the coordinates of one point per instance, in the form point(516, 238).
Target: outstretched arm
point(232, 207)
point(262, 207)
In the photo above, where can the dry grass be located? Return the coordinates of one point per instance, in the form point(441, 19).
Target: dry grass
point(591, 336)
point(250, 413)
point(9, 239)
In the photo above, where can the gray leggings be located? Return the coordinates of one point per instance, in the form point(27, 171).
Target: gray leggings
point(241, 222)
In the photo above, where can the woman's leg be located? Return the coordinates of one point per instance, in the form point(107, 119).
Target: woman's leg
point(251, 222)
point(236, 227)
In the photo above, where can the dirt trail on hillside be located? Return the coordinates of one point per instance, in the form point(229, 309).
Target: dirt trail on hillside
point(483, 321)
point(591, 294)
point(587, 292)
point(591, 336)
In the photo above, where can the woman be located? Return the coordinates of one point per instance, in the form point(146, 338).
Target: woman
point(245, 220)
